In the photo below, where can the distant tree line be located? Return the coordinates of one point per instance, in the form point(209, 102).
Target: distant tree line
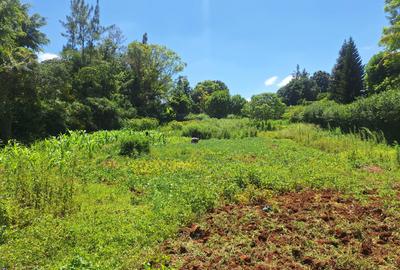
point(344, 84)
point(97, 83)
point(354, 97)
point(350, 79)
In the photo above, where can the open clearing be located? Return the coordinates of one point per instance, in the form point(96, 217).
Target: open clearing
point(294, 198)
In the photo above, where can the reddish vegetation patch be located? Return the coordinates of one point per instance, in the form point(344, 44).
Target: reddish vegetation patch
point(110, 164)
point(373, 169)
point(306, 230)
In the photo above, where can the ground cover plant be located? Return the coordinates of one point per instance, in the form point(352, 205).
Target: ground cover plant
point(76, 202)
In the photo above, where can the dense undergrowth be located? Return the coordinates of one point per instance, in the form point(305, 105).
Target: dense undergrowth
point(74, 202)
point(378, 113)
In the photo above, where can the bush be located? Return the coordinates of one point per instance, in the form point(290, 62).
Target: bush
point(198, 131)
point(294, 114)
point(175, 125)
point(199, 117)
point(220, 129)
point(265, 107)
point(134, 146)
point(380, 112)
point(141, 124)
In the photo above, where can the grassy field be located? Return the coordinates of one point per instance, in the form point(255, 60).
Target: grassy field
point(75, 203)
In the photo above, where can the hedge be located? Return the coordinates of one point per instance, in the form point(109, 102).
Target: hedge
point(380, 112)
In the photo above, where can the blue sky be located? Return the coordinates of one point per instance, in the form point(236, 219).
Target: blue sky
point(252, 45)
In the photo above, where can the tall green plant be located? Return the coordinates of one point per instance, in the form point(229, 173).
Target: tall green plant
point(347, 75)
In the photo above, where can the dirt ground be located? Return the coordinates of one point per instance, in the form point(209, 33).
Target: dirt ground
point(299, 230)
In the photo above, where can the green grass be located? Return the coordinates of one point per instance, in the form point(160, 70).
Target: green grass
point(75, 203)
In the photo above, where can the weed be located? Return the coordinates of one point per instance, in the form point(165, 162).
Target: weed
point(134, 146)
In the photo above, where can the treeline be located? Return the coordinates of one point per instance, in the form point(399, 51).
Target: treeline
point(353, 96)
point(97, 83)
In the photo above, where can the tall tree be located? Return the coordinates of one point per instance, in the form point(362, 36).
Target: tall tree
point(383, 72)
point(265, 106)
point(151, 69)
point(237, 104)
point(391, 34)
point(203, 91)
point(218, 104)
point(145, 39)
point(95, 29)
point(347, 75)
point(300, 88)
point(20, 38)
point(82, 27)
point(322, 79)
point(112, 44)
point(183, 85)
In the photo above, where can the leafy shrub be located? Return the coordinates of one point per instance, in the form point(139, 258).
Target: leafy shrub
point(79, 263)
point(141, 124)
point(380, 112)
point(264, 107)
point(199, 117)
point(134, 146)
point(197, 131)
point(220, 129)
point(294, 114)
point(265, 125)
point(175, 125)
point(233, 116)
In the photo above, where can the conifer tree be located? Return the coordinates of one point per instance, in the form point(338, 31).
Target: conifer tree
point(145, 39)
point(347, 74)
point(82, 27)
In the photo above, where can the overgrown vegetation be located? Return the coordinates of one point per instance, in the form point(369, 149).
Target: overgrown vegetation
point(135, 146)
point(76, 201)
point(222, 129)
point(378, 113)
point(110, 175)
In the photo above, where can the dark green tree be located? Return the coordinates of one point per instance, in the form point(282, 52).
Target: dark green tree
point(347, 75)
point(20, 38)
point(383, 72)
point(183, 85)
point(203, 91)
point(180, 98)
point(300, 88)
point(145, 39)
point(237, 104)
point(218, 104)
point(322, 79)
point(265, 107)
point(391, 34)
point(181, 104)
point(111, 47)
point(150, 72)
point(82, 28)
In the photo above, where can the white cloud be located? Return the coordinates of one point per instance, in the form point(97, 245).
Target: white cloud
point(285, 81)
point(271, 81)
point(46, 56)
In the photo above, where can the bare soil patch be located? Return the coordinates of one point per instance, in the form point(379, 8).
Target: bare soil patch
point(299, 230)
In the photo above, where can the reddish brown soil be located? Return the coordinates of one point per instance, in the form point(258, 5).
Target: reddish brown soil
point(373, 169)
point(305, 230)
